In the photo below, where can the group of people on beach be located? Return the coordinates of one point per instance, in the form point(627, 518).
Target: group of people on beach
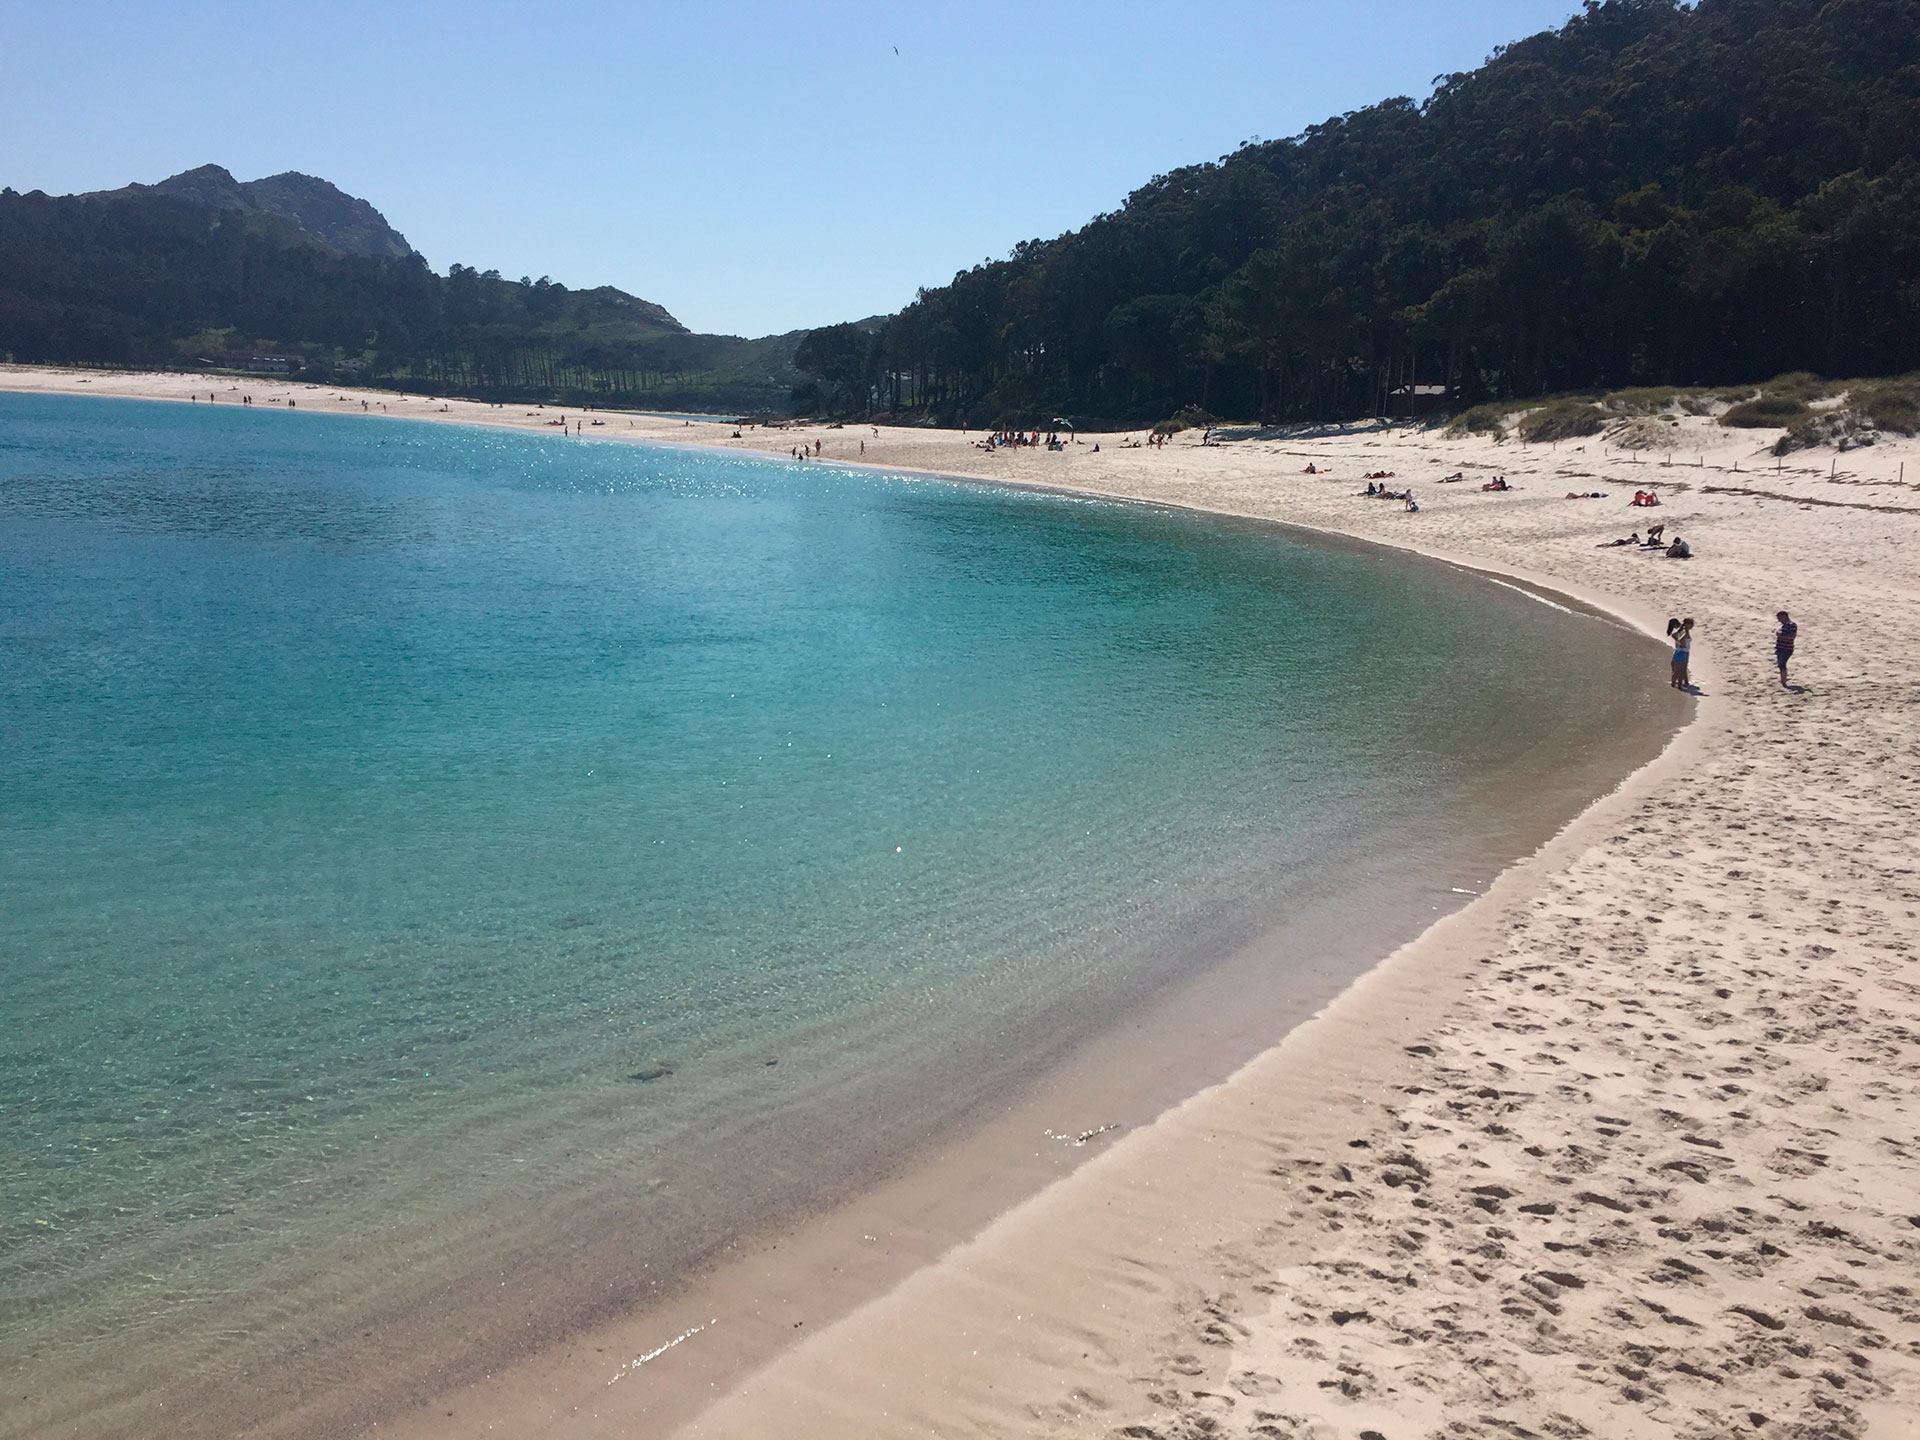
point(246, 399)
point(1680, 635)
point(1381, 492)
point(1675, 549)
point(999, 438)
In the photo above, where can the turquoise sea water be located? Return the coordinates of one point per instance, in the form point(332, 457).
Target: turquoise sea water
point(427, 851)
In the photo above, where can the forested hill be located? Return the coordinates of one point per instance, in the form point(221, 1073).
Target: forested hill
point(1652, 194)
point(324, 214)
point(292, 275)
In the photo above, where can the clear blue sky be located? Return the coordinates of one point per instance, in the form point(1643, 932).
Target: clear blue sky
point(753, 167)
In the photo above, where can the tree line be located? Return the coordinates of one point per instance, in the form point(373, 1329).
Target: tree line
point(153, 281)
point(1655, 193)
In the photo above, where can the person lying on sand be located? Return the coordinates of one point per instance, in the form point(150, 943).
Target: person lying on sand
point(1633, 539)
point(1586, 495)
point(1454, 478)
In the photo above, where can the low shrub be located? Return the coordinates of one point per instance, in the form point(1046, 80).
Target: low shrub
point(1802, 385)
point(1642, 400)
point(1488, 419)
point(1643, 432)
point(1563, 420)
point(1767, 413)
point(1890, 405)
point(1846, 429)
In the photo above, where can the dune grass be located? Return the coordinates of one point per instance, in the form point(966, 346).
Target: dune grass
point(1563, 419)
point(1889, 404)
point(1767, 412)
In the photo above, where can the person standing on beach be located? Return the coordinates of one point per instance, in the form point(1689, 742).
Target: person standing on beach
point(1681, 632)
point(1783, 639)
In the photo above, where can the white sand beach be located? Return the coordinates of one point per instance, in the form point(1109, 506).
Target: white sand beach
point(1630, 1146)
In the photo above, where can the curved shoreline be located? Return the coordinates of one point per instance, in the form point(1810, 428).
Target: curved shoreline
point(1212, 1298)
point(1040, 1249)
point(1186, 1030)
point(991, 1286)
point(548, 1394)
point(1287, 1304)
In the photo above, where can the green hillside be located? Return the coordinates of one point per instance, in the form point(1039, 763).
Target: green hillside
point(290, 274)
point(1653, 194)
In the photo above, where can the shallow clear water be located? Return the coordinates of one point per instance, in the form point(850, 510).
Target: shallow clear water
point(415, 837)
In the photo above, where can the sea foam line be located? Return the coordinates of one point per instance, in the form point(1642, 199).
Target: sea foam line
point(1531, 595)
point(658, 1351)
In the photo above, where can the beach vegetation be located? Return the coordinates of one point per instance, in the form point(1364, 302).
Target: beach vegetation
point(1890, 405)
point(1845, 429)
point(1768, 411)
point(1565, 419)
point(1800, 385)
point(1485, 419)
point(1651, 400)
